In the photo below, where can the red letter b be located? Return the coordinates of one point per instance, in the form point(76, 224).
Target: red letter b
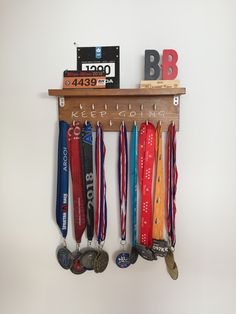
point(169, 68)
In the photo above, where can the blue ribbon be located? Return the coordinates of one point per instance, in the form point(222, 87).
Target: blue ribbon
point(62, 180)
point(133, 180)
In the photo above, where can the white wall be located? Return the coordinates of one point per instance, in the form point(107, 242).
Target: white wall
point(36, 45)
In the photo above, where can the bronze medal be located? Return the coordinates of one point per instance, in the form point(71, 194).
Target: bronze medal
point(171, 265)
point(77, 268)
point(88, 257)
point(101, 262)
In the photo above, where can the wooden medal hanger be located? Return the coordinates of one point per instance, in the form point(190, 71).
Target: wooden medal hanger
point(112, 106)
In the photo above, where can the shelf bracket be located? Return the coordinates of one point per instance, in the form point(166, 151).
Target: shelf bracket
point(176, 100)
point(61, 102)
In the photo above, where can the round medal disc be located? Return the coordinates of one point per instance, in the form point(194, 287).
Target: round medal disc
point(146, 253)
point(123, 260)
point(77, 268)
point(133, 255)
point(88, 257)
point(64, 257)
point(101, 262)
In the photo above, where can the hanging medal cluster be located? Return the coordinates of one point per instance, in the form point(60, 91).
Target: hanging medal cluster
point(75, 152)
point(157, 207)
point(156, 235)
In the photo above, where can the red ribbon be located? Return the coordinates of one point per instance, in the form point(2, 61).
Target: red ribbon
point(73, 139)
point(146, 155)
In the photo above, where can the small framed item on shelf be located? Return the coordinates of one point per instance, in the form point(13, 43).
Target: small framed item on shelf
point(101, 59)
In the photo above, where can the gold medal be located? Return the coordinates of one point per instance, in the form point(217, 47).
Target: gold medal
point(171, 265)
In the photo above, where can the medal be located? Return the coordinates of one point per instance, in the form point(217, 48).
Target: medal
point(102, 258)
point(171, 186)
point(171, 265)
point(123, 258)
point(146, 149)
point(73, 140)
point(133, 189)
point(88, 258)
point(77, 267)
point(101, 261)
point(160, 246)
point(88, 254)
point(64, 256)
point(145, 252)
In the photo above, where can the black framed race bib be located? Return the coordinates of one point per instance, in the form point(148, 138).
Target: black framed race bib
point(105, 59)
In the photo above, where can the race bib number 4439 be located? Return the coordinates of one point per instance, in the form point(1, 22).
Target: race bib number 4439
point(84, 82)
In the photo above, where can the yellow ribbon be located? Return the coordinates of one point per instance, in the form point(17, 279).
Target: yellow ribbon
point(158, 211)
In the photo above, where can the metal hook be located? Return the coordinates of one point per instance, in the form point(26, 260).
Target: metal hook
point(147, 122)
point(129, 106)
point(123, 123)
point(73, 123)
point(135, 123)
point(155, 107)
point(98, 123)
point(110, 122)
point(93, 107)
point(172, 122)
point(80, 106)
point(105, 106)
point(86, 122)
point(117, 107)
point(141, 107)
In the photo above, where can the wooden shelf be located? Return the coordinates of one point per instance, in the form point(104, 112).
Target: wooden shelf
point(116, 92)
point(112, 106)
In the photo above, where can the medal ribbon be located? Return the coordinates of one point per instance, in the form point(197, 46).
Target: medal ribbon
point(146, 150)
point(171, 183)
point(101, 205)
point(133, 179)
point(159, 203)
point(123, 178)
point(62, 180)
point(77, 181)
point(87, 165)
